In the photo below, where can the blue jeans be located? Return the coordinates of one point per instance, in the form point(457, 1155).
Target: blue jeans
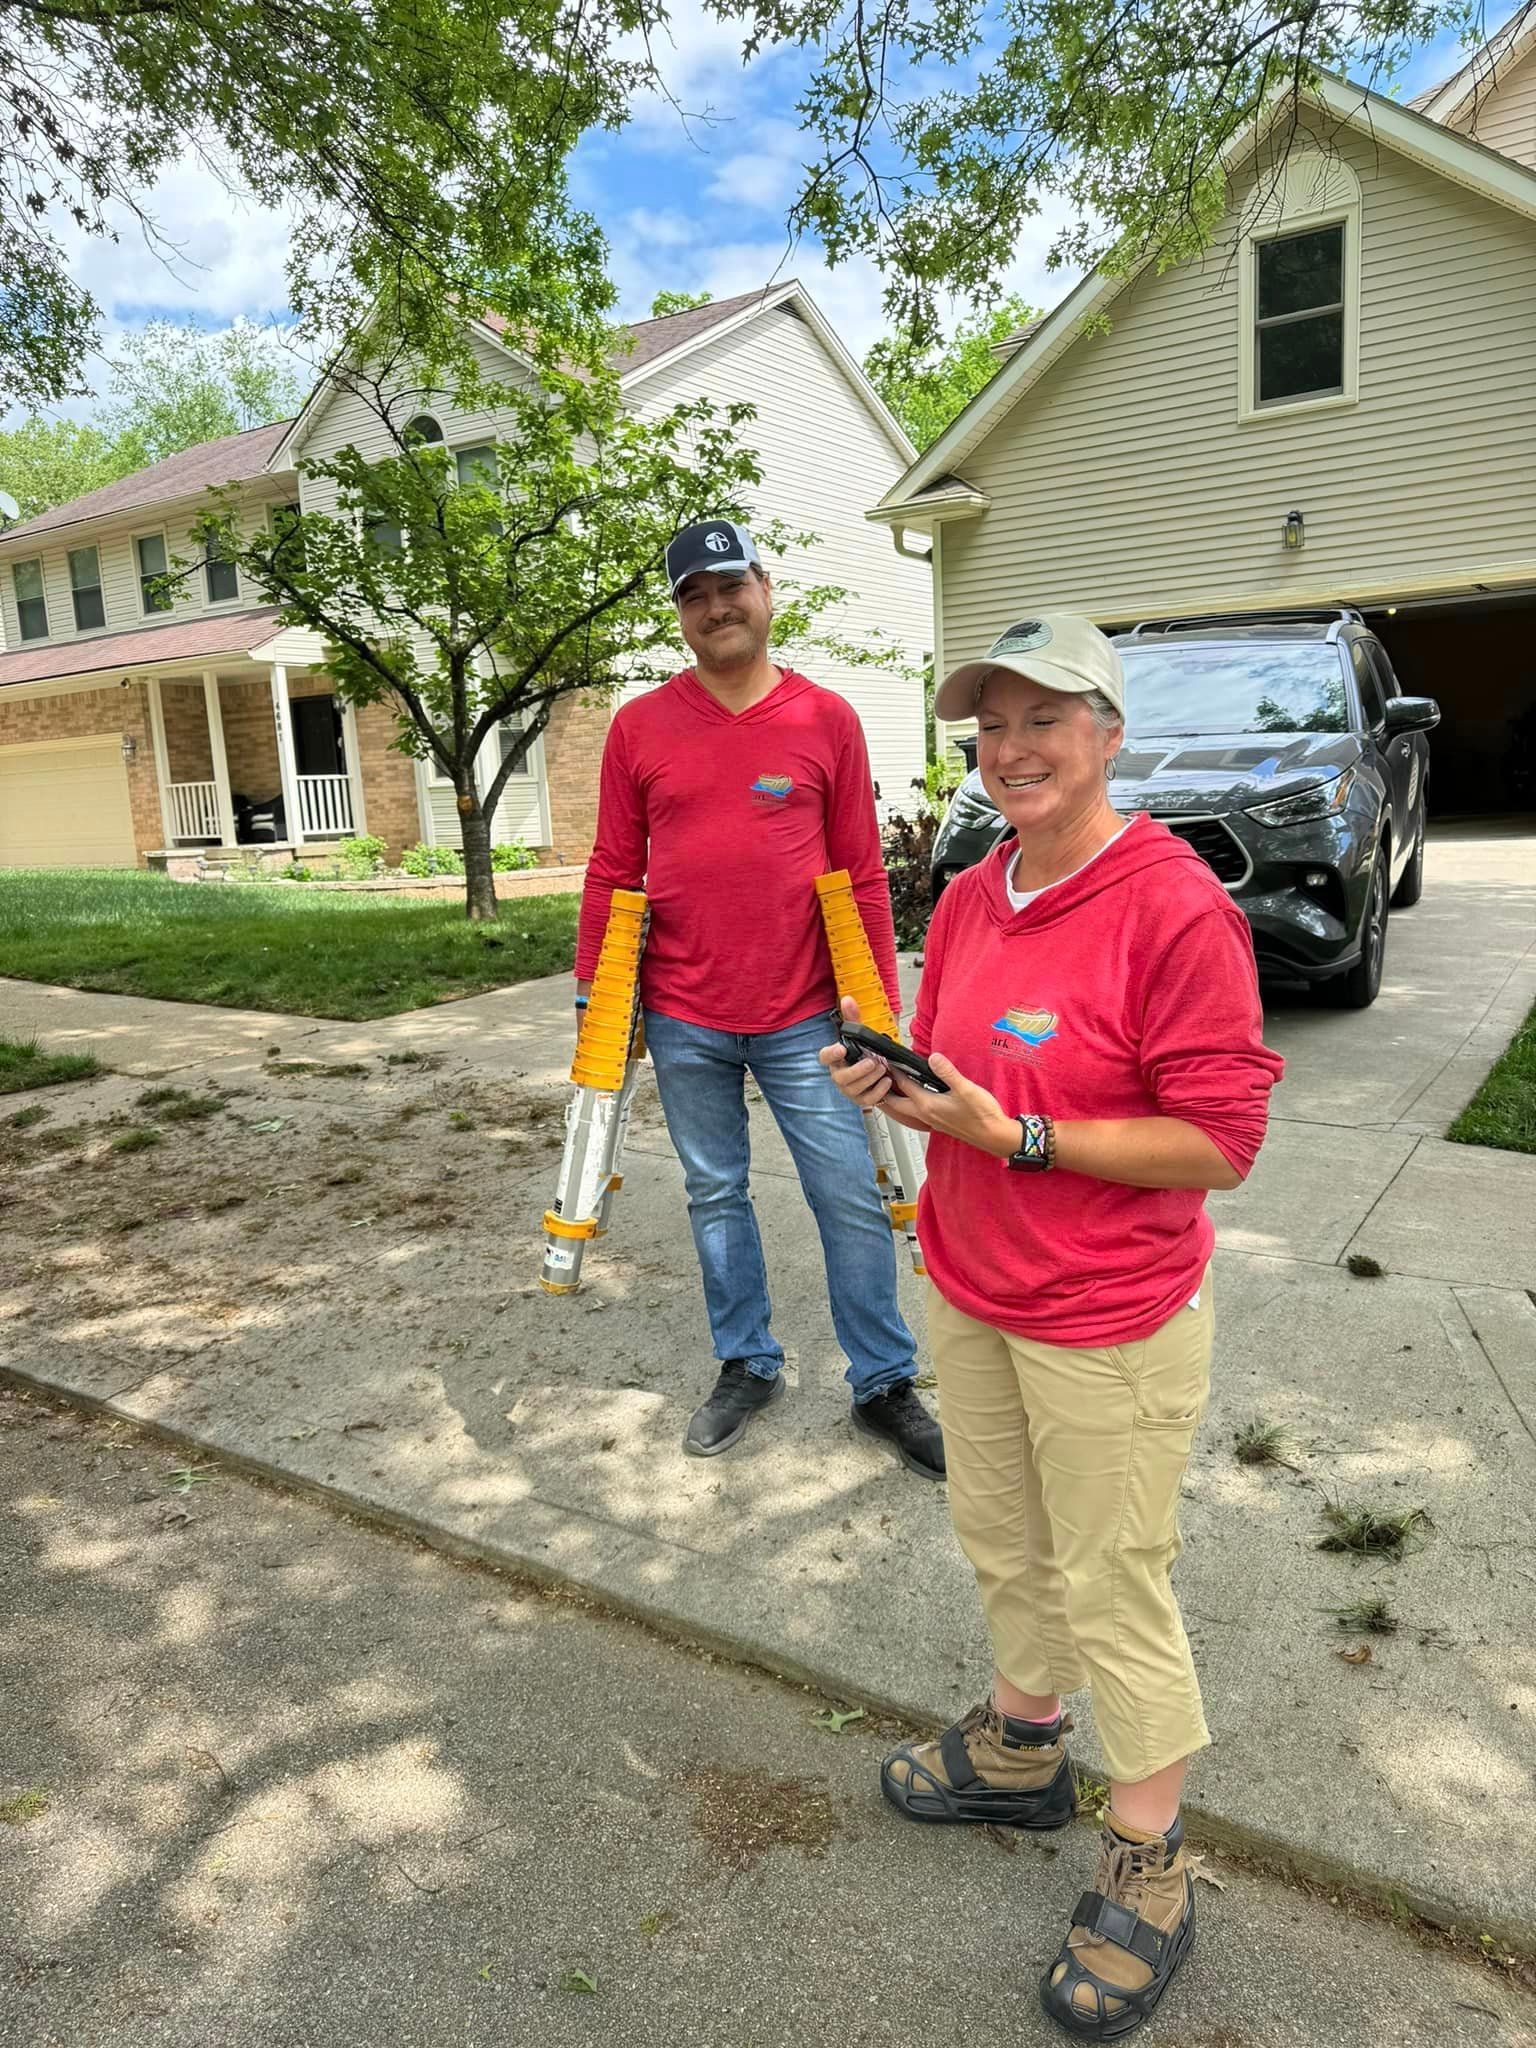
point(702, 1078)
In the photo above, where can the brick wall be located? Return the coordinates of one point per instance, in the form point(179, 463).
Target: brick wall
point(389, 782)
point(185, 710)
point(250, 738)
point(573, 752)
point(114, 713)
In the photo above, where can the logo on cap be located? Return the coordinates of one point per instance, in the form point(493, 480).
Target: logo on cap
point(1022, 638)
point(718, 543)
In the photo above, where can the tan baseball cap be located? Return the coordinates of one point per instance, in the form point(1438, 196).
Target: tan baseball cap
point(1060, 650)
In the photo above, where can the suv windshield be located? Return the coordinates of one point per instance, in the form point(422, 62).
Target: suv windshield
point(1234, 688)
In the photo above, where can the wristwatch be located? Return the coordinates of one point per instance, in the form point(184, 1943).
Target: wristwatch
point(1037, 1146)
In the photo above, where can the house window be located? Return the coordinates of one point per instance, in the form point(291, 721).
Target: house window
point(476, 465)
point(31, 604)
point(1299, 315)
point(85, 589)
point(223, 581)
point(149, 549)
point(508, 734)
point(422, 429)
point(288, 536)
point(386, 536)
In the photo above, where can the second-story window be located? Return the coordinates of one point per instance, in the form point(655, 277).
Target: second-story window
point(149, 550)
point(1299, 308)
point(288, 536)
point(223, 583)
point(31, 604)
point(477, 465)
point(422, 430)
point(85, 589)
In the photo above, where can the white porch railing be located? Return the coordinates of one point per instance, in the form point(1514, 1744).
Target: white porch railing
point(325, 806)
point(194, 810)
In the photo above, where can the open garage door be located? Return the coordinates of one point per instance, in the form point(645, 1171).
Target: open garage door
point(1477, 657)
point(64, 804)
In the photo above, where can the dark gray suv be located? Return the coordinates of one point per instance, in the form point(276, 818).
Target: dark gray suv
point(1283, 751)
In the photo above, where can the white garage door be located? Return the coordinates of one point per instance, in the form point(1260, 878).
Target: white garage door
point(64, 804)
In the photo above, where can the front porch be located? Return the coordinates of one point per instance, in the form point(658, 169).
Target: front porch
point(251, 757)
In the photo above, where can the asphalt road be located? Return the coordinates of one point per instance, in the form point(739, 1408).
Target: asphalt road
point(269, 1777)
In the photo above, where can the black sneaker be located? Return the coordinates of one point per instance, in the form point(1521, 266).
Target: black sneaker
point(898, 1415)
point(736, 1399)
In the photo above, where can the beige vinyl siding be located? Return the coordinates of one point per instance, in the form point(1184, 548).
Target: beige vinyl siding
point(825, 458)
point(1504, 116)
point(1123, 484)
point(113, 538)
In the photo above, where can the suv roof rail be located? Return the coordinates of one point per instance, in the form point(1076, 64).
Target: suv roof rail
point(1338, 614)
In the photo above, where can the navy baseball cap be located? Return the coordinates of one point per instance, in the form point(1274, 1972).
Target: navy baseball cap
point(718, 544)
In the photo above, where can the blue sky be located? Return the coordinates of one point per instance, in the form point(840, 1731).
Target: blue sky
point(696, 205)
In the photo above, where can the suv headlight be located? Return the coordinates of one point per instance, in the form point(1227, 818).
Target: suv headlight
point(1325, 800)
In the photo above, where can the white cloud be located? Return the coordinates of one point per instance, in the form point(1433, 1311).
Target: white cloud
point(765, 176)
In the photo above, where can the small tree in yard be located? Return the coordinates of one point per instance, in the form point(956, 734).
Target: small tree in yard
point(465, 590)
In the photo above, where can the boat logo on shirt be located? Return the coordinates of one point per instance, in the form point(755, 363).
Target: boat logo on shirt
point(1023, 1024)
point(772, 788)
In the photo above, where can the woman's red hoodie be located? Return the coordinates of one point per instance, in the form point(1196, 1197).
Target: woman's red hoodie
point(1127, 990)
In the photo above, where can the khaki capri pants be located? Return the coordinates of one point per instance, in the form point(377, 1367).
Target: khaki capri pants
point(1064, 1475)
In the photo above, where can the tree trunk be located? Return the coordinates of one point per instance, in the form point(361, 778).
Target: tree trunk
point(479, 877)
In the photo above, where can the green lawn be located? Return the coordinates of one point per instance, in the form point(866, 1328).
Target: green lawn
point(263, 947)
point(1503, 1111)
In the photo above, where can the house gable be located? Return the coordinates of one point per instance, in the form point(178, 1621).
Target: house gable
point(1341, 117)
point(1124, 481)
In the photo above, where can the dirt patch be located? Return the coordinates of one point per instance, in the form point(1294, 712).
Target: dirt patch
point(742, 1815)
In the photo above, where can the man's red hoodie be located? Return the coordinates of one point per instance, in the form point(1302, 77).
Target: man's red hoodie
point(1127, 990)
point(726, 819)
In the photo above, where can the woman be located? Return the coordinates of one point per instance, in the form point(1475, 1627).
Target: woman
point(1089, 995)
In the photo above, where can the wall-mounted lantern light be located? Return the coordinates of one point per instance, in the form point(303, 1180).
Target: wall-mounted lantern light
point(130, 746)
point(1294, 532)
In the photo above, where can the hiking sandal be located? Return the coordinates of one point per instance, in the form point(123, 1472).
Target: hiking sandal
point(1116, 2009)
point(938, 1781)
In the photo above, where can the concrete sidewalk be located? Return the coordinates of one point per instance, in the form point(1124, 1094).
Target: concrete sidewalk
point(283, 1780)
point(365, 1324)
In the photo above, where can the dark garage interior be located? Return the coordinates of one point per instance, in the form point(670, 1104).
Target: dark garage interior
point(1477, 657)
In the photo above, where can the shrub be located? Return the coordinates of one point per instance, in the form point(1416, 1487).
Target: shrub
point(422, 859)
point(509, 859)
point(908, 845)
point(357, 859)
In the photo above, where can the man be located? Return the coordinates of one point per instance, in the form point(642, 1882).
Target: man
point(724, 794)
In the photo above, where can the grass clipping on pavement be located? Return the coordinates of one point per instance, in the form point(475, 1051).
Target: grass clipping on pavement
point(263, 946)
point(1503, 1111)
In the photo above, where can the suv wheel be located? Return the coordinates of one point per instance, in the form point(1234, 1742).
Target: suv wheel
point(1411, 884)
point(1359, 986)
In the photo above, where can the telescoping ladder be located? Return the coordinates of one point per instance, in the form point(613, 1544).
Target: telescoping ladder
point(894, 1149)
point(609, 1049)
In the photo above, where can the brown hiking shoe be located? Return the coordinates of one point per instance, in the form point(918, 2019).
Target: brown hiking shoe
point(1129, 1935)
point(980, 1771)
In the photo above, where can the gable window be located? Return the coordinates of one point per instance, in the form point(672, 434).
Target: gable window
point(1299, 316)
point(422, 430)
point(85, 589)
point(31, 604)
point(149, 553)
point(1297, 259)
point(223, 581)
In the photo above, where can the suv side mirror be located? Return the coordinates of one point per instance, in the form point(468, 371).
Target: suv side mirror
point(1412, 714)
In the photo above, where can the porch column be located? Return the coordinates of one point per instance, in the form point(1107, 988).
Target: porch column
point(162, 758)
point(220, 757)
point(354, 769)
point(285, 760)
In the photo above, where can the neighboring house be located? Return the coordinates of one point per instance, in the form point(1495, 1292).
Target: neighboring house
point(127, 733)
point(1336, 405)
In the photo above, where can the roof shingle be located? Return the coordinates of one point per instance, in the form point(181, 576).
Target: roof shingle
point(178, 640)
point(225, 461)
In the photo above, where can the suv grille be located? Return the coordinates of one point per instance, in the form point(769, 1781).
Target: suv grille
point(1215, 845)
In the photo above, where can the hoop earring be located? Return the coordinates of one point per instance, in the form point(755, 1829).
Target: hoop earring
point(1109, 769)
